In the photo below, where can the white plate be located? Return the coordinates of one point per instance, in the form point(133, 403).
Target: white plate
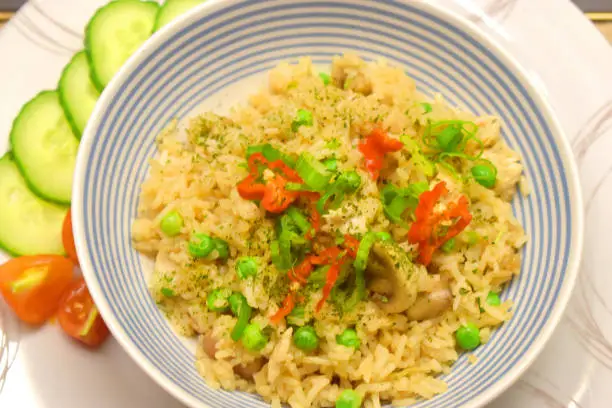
point(569, 61)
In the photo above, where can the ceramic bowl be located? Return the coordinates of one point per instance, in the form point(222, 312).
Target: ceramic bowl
point(212, 58)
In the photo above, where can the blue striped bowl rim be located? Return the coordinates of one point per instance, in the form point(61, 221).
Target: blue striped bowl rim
point(218, 46)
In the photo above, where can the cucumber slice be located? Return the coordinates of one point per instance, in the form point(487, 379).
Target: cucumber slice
point(172, 9)
point(114, 33)
point(30, 226)
point(45, 148)
point(78, 95)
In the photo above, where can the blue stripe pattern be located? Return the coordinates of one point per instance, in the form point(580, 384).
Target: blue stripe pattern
point(228, 42)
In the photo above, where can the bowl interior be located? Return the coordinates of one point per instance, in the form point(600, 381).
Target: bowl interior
point(214, 58)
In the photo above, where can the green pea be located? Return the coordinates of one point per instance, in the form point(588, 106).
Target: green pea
point(331, 164)
point(426, 107)
point(253, 338)
point(449, 138)
point(484, 175)
point(384, 236)
point(493, 299)
point(325, 78)
point(222, 248)
point(172, 223)
point(201, 245)
point(217, 300)
point(167, 292)
point(303, 118)
point(305, 338)
point(246, 266)
point(468, 336)
point(236, 301)
point(348, 399)
point(348, 338)
point(448, 246)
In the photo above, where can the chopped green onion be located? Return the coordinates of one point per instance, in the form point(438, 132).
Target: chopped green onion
point(331, 164)
point(318, 276)
point(299, 220)
point(297, 187)
point(296, 316)
point(284, 242)
point(397, 200)
point(167, 292)
point(303, 118)
point(269, 153)
point(242, 311)
point(325, 78)
point(449, 138)
point(426, 107)
point(423, 163)
point(384, 236)
point(313, 172)
point(348, 182)
point(246, 266)
point(360, 263)
point(363, 252)
point(448, 246)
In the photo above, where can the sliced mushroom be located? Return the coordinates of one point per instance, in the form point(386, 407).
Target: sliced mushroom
point(209, 345)
point(390, 273)
point(432, 303)
point(247, 371)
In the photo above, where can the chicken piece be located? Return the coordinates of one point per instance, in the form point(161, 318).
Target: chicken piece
point(391, 274)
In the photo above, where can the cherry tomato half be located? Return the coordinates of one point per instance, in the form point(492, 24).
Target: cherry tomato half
point(79, 317)
point(68, 238)
point(33, 285)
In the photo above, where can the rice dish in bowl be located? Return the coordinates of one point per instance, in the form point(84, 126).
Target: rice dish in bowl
point(338, 236)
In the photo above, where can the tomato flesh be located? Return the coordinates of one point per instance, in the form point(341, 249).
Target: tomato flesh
point(68, 238)
point(79, 317)
point(33, 285)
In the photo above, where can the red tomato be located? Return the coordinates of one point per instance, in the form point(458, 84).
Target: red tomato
point(68, 239)
point(33, 285)
point(79, 317)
